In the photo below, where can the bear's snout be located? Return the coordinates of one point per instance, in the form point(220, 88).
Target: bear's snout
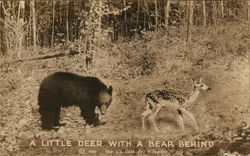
point(103, 109)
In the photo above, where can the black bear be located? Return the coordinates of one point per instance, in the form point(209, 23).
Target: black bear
point(63, 89)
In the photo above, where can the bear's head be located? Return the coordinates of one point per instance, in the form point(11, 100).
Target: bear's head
point(105, 99)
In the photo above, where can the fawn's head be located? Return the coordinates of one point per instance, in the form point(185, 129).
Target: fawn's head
point(200, 85)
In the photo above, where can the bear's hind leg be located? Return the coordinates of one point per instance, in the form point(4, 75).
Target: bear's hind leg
point(47, 118)
point(57, 118)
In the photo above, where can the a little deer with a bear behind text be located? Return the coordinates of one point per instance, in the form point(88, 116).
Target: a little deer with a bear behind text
point(169, 98)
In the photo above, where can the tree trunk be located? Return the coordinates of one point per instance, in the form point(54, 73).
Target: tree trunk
point(138, 12)
point(125, 18)
point(67, 25)
point(53, 23)
point(191, 12)
point(156, 15)
point(3, 43)
point(70, 20)
point(214, 16)
point(189, 19)
point(248, 10)
point(150, 25)
point(222, 9)
point(32, 5)
point(20, 24)
point(204, 13)
point(167, 10)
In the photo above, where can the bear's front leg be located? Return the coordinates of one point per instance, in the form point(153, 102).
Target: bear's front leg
point(91, 118)
point(97, 121)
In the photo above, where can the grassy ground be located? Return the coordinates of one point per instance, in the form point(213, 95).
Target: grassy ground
point(219, 55)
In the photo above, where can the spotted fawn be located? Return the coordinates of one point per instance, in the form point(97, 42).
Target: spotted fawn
point(169, 98)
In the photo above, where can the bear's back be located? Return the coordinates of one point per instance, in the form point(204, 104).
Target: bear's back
point(67, 78)
point(69, 88)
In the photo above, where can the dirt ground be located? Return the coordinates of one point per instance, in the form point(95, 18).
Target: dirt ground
point(219, 113)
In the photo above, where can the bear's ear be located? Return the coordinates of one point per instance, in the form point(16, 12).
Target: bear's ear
point(110, 90)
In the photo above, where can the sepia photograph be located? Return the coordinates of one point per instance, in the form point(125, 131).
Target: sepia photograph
point(124, 77)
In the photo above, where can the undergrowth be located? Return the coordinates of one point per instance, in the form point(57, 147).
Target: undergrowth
point(156, 57)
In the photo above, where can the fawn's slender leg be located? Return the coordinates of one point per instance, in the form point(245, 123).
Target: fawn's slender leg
point(152, 121)
point(189, 114)
point(144, 115)
point(153, 116)
point(181, 122)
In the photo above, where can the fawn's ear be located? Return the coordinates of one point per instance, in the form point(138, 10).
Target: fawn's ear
point(200, 80)
point(193, 80)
